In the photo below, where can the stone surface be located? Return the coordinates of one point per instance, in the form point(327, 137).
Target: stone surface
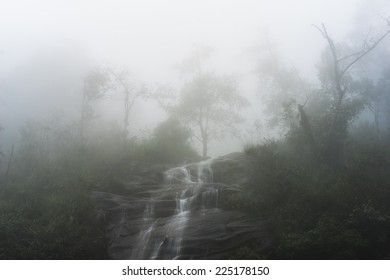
point(178, 216)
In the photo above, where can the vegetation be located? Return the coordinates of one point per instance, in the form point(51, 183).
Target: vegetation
point(209, 104)
point(46, 209)
point(325, 184)
point(170, 143)
point(131, 92)
point(319, 211)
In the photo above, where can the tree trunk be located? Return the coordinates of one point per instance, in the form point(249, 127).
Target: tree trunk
point(83, 118)
point(307, 129)
point(8, 166)
point(376, 120)
point(127, 108)
point(204, 151)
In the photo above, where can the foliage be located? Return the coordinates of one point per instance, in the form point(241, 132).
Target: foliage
point(169, 143)
point(1, 153)
point(210, 105)
point(324, 184)
point(282, 89)
point(49, 215)
point(320, 211)
point(46, 209)
point(131, 90)
point(96, 84)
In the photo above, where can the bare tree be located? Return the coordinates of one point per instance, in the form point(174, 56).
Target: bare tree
point(210, 105)
point(132, 91)
point(341, 66)
point(378, 101)
point(96, 84)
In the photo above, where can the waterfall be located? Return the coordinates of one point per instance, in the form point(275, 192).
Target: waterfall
point(195, 195)
point(184, 215)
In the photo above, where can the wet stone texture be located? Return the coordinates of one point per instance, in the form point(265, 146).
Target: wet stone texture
point(180, 217)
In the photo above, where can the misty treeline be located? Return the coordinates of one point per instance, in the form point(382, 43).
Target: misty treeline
point(205, 107)
point(47, 177)
point(322, 182)
point(324, 185)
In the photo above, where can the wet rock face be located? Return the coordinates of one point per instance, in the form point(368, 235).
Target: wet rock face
point(232, 169)
point(180, 218)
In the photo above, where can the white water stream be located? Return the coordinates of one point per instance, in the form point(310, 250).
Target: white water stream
point(162, 238)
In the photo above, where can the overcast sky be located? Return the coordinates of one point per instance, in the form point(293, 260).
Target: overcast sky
point(150, 36)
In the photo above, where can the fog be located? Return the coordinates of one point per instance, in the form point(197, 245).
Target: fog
point(48, 46)
point(195, 129)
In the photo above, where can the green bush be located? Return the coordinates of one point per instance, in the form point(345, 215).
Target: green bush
point(322, 211)
point(48, 216)
point(169, 143)
point(46, 209)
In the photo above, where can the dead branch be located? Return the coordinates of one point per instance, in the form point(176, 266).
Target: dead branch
point(364, 53)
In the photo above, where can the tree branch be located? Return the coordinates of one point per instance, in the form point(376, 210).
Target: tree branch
point(349, 56)
point(364, 53)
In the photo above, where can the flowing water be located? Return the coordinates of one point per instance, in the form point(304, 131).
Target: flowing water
point(183, 215)
point(195, 194)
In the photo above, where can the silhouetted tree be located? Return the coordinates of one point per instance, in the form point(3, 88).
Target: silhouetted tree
point(96, 84)
point(339, 81)
point(282, 89)
point(171, 142)
point(377, 99)
point(1, 155)
point(132, 91)
point(210, 105)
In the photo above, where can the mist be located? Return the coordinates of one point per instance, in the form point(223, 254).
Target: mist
point(253, 103)
point(48, 45)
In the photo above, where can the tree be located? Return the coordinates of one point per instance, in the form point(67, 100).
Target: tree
point(171, 143)
point(324, 113)
point(210, 105)
point(1, 156)
point(282, 89)
point(384, 97)
point(131, 93)
point(1, 128)
point(377, 100)
point(285, 94)
point(339, 80)
point(96, 84)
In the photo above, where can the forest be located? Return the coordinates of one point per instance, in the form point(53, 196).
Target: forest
point(95, 159)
